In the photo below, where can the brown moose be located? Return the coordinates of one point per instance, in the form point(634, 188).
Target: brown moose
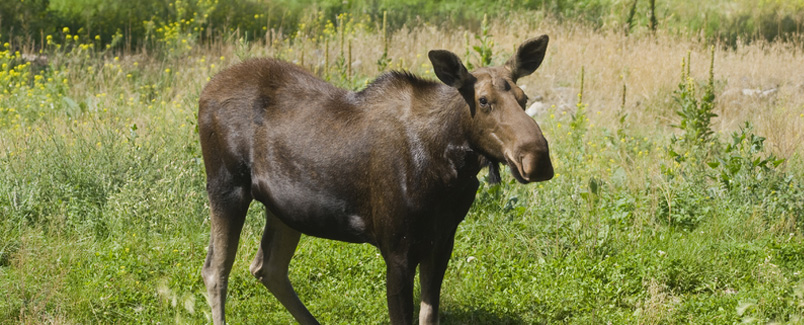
point(394, 165)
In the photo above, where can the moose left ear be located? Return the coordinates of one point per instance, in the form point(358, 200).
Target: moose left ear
point(451, 71)
point(528, 57)
point(449, 68)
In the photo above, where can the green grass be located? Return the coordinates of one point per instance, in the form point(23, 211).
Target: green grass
point(104, 218)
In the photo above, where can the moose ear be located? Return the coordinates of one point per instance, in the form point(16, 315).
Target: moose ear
point(528, 57)
point(449, 68)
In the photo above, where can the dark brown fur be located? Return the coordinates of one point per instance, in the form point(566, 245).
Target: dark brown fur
point(394, 165)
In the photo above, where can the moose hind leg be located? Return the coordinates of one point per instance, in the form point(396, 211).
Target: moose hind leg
point(228, 212)
point(270, 266)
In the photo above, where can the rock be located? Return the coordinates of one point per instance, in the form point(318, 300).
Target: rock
point(759, 92)
point(35, 59)
point(769, 92)
point(751, 92)
point(536, 108)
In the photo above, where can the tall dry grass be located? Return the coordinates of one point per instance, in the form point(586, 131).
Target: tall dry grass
point(760, 82)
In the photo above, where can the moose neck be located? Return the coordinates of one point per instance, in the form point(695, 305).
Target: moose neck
point(434, 119)
point(449, 130)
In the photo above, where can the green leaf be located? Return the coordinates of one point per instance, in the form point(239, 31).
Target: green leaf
point(672, 153)
point(594, 186)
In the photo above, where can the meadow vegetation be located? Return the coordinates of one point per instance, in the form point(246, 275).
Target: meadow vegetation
point(678, 159)
point(107, 20)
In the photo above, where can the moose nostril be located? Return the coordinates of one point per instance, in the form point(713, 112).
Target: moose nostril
point(528, 166)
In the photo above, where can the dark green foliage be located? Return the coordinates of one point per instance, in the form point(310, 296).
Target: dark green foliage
point(31, 20)
point(743, 161)
point(137, 20)
point(24, 19)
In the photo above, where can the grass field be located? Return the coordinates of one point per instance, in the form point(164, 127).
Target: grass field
point(650, 218)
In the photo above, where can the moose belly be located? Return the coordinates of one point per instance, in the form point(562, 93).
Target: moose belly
point(315, 211)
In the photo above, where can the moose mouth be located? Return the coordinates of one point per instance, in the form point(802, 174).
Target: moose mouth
point(529, 168)
point(494, 171)
point(516, 170)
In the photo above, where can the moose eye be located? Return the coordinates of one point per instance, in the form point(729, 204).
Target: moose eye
point(483, 101)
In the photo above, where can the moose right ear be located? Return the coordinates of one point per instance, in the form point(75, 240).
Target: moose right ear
point(528, 57)
point(449, 68)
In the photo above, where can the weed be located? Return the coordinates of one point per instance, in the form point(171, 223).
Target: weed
point(696, 114)
point(484, 50)
point(384, 60)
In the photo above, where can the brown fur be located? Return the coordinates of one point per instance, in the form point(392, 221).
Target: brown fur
point(393, 165)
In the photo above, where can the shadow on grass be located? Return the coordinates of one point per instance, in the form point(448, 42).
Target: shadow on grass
point(479, 315)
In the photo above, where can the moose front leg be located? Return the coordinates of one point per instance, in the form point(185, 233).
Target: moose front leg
point(400, 271)
point(431, 274)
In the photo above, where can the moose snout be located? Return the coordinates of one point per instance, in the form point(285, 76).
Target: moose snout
point(529, 160)
point(536, 166)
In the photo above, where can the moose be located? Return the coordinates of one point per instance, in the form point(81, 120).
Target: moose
point(394, 165)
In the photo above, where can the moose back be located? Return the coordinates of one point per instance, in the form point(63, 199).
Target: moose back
point(394, 165)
